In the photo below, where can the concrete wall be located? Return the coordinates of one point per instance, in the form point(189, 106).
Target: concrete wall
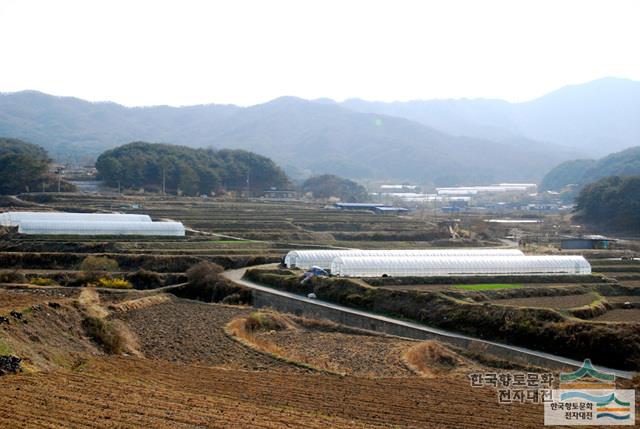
point(300, 308)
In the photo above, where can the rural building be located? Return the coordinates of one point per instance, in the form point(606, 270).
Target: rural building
point(389, 210)
point(586, 242)
point(280, 195)
point(405, 266)
point(358, 206)
point(305, 259)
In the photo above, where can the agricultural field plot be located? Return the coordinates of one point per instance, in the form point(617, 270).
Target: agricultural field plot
point(22, 297)
point(193, 332)
point(620, 315)
point(290, 222)
point(190, 373)
point(136, 392)
point(326, 345)
point(558, 301)
point(623, 298)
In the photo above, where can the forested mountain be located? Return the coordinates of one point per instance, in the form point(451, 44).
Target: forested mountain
point(581, 172)
point(24, 168)
point(190, 171)
point(304, 137)
point(611, 203)
point(595, 118)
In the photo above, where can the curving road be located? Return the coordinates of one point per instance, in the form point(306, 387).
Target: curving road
point(236, 276)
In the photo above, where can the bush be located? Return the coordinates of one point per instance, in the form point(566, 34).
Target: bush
point(205, 284)
point(145, 279)
point(114, 283)
point(95, 267)
point(99, 263)
point(104, 333)
point(204, 273)
point(43, 281)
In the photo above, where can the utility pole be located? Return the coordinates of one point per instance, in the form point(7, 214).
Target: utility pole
point(163, 180)
point(248, 184)
point(43, 186)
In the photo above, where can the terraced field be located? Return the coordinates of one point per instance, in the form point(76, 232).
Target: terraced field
point(192, 332)
point(131, 392)
point(559, 302)
point(620, 315)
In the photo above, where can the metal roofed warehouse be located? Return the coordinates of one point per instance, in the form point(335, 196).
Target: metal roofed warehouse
point(370, 266)
point(306, 259)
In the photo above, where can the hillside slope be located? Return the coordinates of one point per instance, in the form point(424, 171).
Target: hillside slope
point(582, 172)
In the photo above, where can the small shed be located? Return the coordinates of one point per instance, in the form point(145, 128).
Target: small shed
point(586, 242)
point(389, 210)
point(358, 206)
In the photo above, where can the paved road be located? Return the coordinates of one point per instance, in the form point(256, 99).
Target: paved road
point(236, 277)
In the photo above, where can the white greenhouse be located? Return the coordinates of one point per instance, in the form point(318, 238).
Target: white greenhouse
point(306, 259)
point(369, 266)
point(64, 227)
point(15, 218)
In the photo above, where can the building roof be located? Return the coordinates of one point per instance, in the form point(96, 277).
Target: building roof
point(359, 205)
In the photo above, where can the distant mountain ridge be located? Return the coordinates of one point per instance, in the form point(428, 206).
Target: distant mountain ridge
point(433, 142)
point(597, 117)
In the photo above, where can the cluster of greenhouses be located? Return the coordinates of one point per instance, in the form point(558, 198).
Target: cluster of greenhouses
point(305, 259)
point(62, 223)
point(436, 262)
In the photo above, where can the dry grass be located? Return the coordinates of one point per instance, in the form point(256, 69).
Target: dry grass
point(432, 359)
point(137, 304)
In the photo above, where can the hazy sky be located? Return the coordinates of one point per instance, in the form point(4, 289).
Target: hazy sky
point(244, 52)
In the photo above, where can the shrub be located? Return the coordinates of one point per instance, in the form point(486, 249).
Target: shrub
point(43, 281)
point(114, 283)
point(99, 263)
point(205, 284)
point(204, 273)
point(104, 333)
point(145, 279)
point(95, 267)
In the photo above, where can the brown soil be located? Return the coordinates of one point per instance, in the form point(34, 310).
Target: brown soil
point(566, 301)
point(192, 332)
point(331, 347)
point(132, 392)
point(21, 297)
point(631, 315)
point(623, 298)
point(194, 375)
point(433, 359)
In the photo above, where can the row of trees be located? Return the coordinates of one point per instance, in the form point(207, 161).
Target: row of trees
point(612, 203)
point(24, 167)
point(191, 171)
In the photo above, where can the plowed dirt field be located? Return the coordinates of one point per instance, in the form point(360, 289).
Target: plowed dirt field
point(132, 392)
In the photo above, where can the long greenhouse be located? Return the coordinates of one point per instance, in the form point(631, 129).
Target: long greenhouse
point(15, 218)
point(306, 259)
point(64, 227)
point(370, 266)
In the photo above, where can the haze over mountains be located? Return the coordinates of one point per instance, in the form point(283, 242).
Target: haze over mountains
point(444, 142)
